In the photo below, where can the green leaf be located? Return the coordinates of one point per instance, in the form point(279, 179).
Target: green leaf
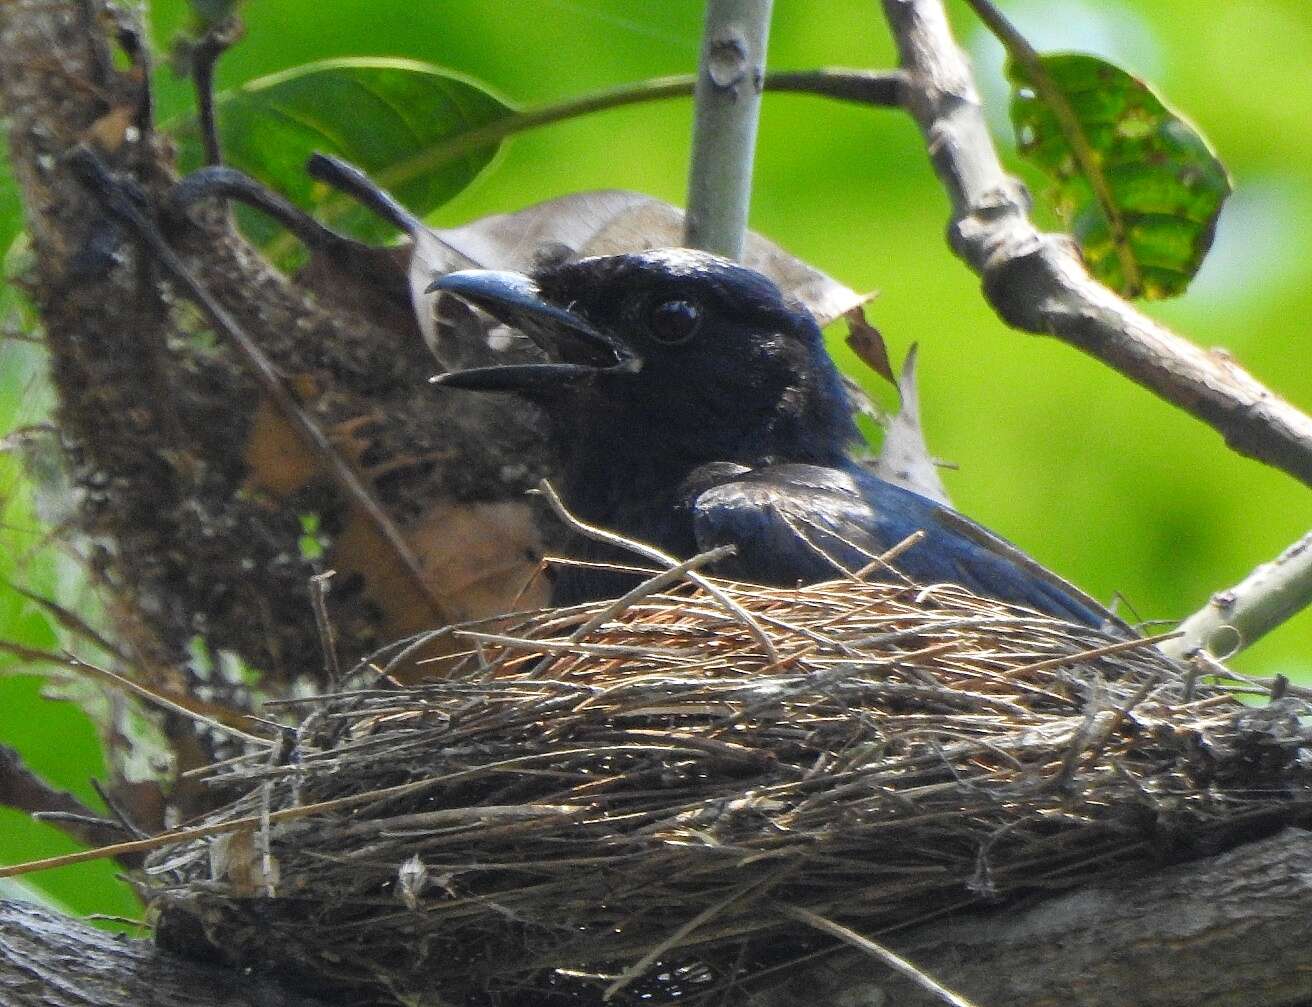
point(11, 207)
point(1136, 185)
point(388, 116)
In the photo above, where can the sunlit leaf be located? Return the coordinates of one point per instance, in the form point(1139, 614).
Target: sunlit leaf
point(389, 116)
point(1146, 213)
point(11, 209)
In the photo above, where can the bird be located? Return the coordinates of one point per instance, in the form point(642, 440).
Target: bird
point(694, 405)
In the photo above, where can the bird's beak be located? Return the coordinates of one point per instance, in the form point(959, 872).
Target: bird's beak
point(581, 351)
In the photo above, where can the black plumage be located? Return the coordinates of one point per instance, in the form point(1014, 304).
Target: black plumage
point(695, 406)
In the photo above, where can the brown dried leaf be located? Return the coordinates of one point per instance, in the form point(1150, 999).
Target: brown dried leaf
point(237, 859)
point(867, 342)
point(479, 558)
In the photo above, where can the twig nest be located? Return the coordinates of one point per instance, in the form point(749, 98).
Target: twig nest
point(603, 801)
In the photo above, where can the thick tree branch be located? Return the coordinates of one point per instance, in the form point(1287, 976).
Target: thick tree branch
point(48, 960)
point(195, 478)
point(1037, 282)
point(1227, 930)
point(95, 175)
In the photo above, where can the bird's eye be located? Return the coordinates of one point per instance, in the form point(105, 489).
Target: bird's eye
point(675, 322)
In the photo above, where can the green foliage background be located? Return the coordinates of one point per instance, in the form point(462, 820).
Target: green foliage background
point(1092, 475)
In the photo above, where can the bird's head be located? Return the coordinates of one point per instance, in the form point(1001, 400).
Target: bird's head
point(690, 350)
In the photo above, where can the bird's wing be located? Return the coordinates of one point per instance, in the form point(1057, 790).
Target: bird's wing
point(796, 524)
point(1044, 590)
point(791, 524)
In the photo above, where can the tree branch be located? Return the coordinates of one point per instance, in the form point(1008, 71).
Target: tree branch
point(201, 480)
point(1226, 930)
point(96, 176)
point(1036, 282)
point(48, 960)
point(1237, 618)
point(730, 77)
point(1019, 49)
point(23, 790)
point(217, 39)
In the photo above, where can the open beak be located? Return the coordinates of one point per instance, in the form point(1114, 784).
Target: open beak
point(579, 349)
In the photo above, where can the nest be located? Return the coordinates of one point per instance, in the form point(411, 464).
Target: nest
point(644, 800)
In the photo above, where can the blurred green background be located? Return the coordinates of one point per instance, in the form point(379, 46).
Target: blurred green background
point(1091, 474)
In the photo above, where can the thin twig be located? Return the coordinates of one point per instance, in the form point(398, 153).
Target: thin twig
point(216, 40)
point(884, 561)
point(185, 709)
point(890, 958)
point(327, 639)
point(208, 830)
point(23, 790)
point(70, 621)
point(655, 584)
point(210, 714)
point(652, 553)
point(119, 812)
point(222, 182)
point(673, 940)
point(873, 88)
point(1093, 653)
point(75, 818)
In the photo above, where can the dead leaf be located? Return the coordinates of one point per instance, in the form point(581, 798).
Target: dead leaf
point(235, 858)
point(904, 458)
point(111, 130)
point(602, 222)
point(276, 456)
point(867, 342)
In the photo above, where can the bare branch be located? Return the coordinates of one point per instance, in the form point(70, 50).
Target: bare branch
point(1237, 618)
point(96, 176)
point(1036, 282)
point(730, 77)
point(23, 790)
point(216, 40)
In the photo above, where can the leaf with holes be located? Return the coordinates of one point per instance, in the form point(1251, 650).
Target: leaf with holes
point(1136, 185)
point(399, 120)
